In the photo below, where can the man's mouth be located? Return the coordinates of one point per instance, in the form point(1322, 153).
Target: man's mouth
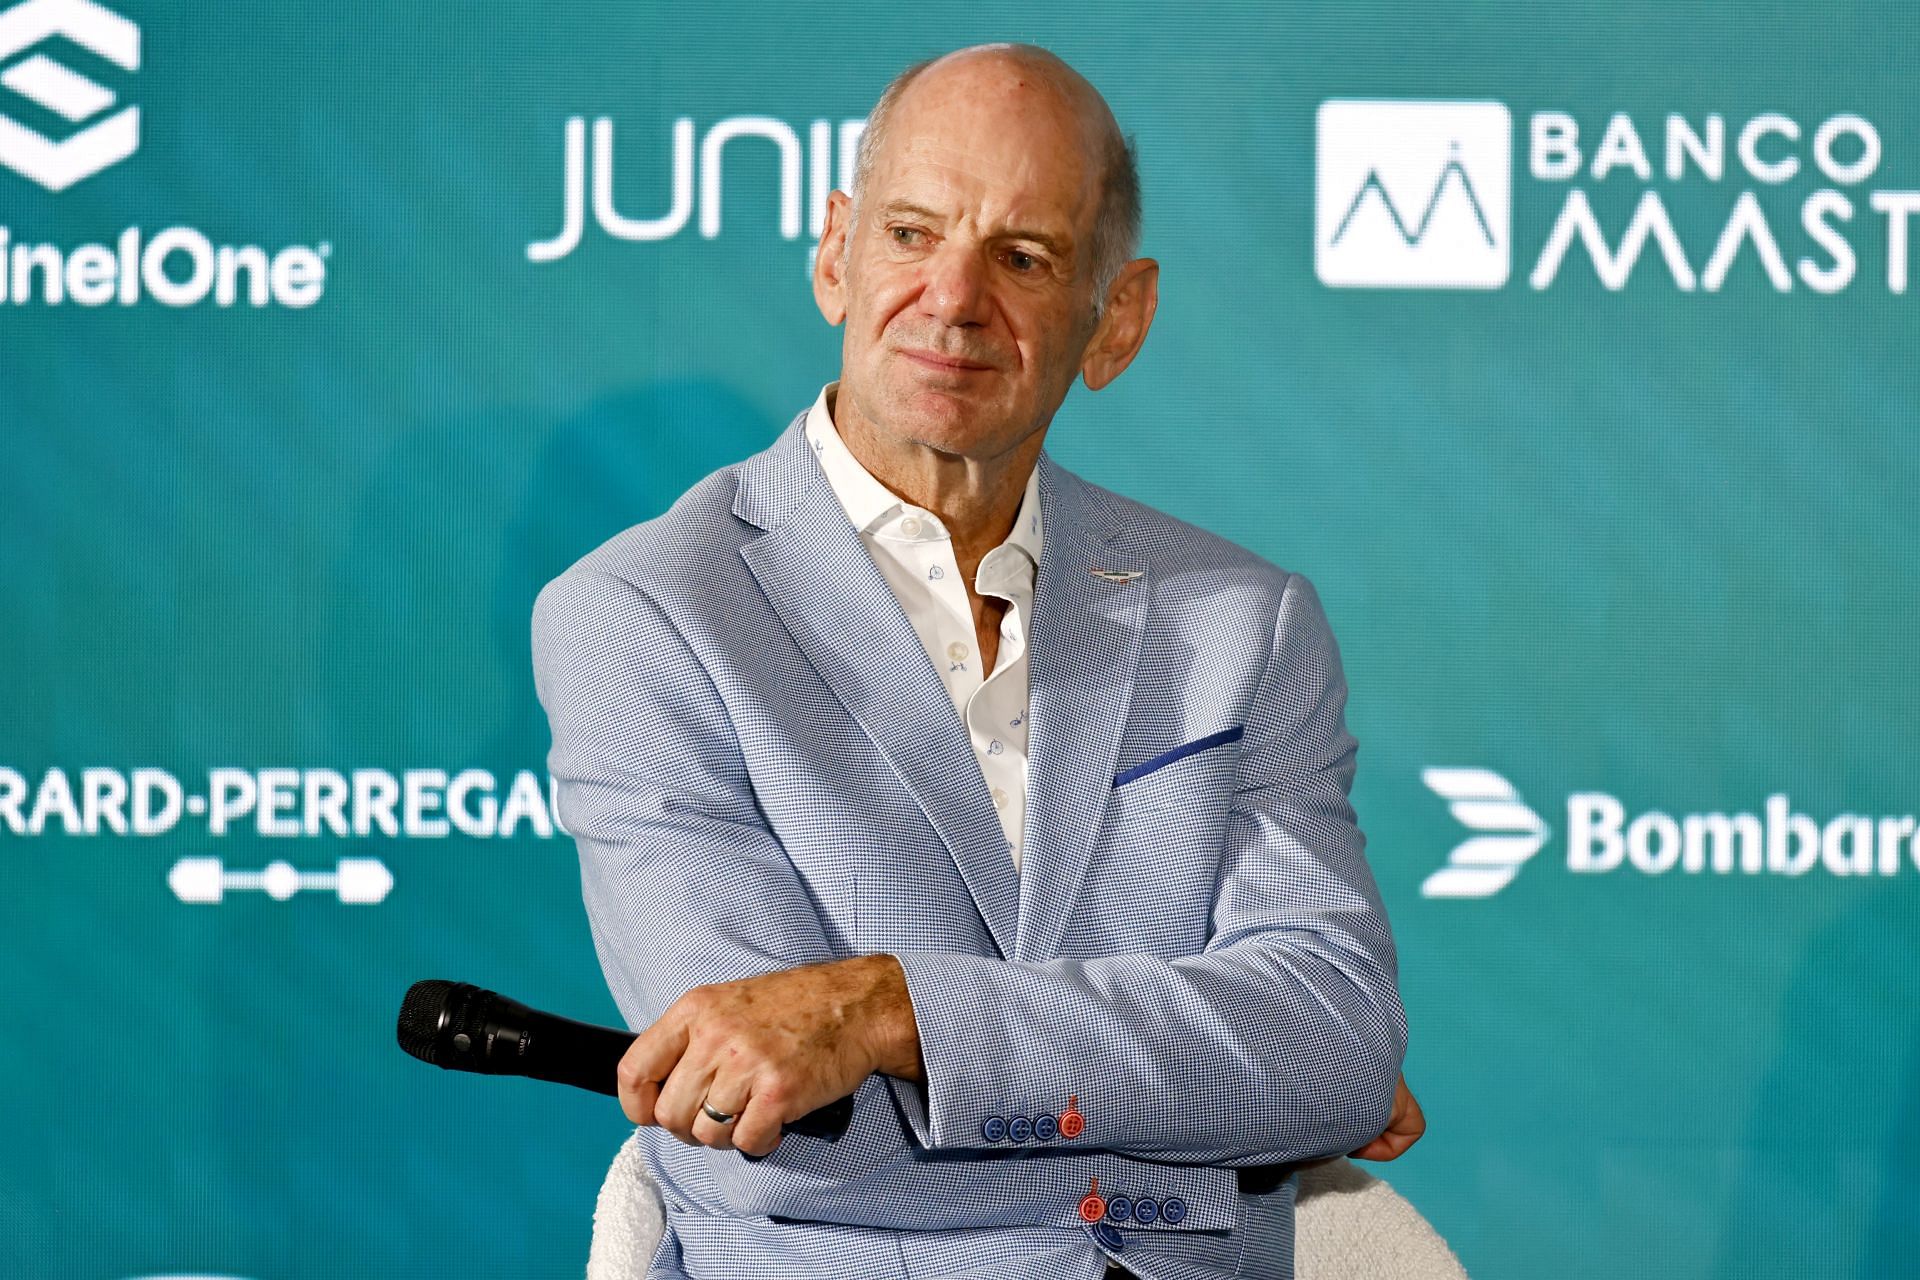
point(943, 362)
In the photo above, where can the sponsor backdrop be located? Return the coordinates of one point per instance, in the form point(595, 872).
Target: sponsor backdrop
point(1571, 353)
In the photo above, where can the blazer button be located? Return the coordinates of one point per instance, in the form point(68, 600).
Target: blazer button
point(994, 1130)
point(1120, 1209)
point(1019, 1129)
point(1173, 1211)
point(1092, 1207)
point(1146, 1210)
point(1071, 1121)
point(1046, 1128)
point(1107, 1236)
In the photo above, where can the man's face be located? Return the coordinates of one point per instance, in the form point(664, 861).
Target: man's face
point(967, 290)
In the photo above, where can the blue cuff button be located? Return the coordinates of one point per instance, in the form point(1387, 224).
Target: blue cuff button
point(1019, 1129)
point(1173, 1211)
point(994, 1130)
point(1120, 1209)
point(1146, 1210)
point(1046, 1128)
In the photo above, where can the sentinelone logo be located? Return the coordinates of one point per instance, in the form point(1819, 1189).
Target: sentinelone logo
point(56, 87)
point(1601, 838)
point(415, 804)
point(1420, 195)
point(175, 267)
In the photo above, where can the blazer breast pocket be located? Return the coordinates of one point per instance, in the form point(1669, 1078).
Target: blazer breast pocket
point(1160, 842)
point(1174, 756)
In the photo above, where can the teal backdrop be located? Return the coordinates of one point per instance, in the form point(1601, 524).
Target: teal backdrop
point(305, 393)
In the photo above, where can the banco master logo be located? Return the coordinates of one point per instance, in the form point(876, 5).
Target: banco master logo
point(57, 165)
point(1602, 837)
point(1421, 195)
point(1413, 194)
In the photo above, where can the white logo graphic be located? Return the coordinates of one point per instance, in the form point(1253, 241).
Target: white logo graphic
point(1413, 194)
point(1420, 195)
point(355, 880)
point(58, 165)
point(1486, 802)
point(824, 139)
point(1604, 836)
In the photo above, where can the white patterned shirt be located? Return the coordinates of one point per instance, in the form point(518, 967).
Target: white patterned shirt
point(914, 552)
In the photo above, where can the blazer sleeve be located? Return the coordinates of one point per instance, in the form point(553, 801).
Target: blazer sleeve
point(1281, 1041)
point(684, 883)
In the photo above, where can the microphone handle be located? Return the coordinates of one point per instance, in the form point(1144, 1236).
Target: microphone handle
point(588, 1057)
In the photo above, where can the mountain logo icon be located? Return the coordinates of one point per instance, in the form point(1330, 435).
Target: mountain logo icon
point(1413, 195)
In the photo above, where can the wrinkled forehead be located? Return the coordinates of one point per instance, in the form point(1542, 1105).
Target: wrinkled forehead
point(992, 188)
point(992, 146)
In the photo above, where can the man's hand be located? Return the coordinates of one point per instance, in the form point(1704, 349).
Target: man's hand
point(1403, 1129)
point(770, 1049)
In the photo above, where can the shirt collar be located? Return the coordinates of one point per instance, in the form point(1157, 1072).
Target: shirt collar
point(871, 505)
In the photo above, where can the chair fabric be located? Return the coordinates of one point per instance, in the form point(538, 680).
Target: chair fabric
point(1348, 1225)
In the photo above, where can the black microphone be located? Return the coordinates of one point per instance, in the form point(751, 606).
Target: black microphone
point(461, 1027)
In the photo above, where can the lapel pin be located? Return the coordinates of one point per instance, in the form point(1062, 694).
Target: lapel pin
point(1116, 575)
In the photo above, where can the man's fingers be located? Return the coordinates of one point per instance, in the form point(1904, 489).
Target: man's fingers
point(654, 1051)
point(680, 1097)
point(757, 1130)
point(1404, 1128)
point(644, 1065)
point(709, 1132)
point(637, 1098)
point(1388, 1146)
point(648, 1062)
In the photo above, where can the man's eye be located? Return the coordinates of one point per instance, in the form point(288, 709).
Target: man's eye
point(904, 235)
point(1022, 262)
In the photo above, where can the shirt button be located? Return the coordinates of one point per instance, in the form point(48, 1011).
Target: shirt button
point(957, 651)
point(911, 526)
point(999, 798)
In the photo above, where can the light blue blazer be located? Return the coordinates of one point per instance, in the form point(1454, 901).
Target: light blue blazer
point(762, 769)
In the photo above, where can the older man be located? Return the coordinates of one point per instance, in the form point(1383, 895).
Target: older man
point(905, 764)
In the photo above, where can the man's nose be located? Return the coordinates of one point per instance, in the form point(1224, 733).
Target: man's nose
point(956, 284)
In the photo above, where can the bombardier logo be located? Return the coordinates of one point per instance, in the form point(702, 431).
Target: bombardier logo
point(1602, 837)
point(1485, 802)
point(63, 91)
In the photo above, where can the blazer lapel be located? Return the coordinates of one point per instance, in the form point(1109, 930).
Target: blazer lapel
point(1083, 649)
point(841, 612)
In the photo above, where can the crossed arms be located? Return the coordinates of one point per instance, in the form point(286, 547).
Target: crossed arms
point(1281, 1041)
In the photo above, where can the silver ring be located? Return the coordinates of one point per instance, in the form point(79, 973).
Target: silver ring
point(718, 1117)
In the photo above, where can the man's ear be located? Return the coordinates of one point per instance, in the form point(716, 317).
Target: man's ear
point(1123, 326)
point(830, 259)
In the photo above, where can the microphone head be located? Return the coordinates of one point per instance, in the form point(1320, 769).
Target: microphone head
point(424, 1014)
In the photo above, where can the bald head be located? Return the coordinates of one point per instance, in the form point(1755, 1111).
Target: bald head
point(1028, 86)
point(983, 263)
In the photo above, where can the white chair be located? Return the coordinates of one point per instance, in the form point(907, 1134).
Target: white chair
point(1349, 1225)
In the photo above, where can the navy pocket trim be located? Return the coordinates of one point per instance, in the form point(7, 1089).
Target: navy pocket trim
point(1180, 752)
